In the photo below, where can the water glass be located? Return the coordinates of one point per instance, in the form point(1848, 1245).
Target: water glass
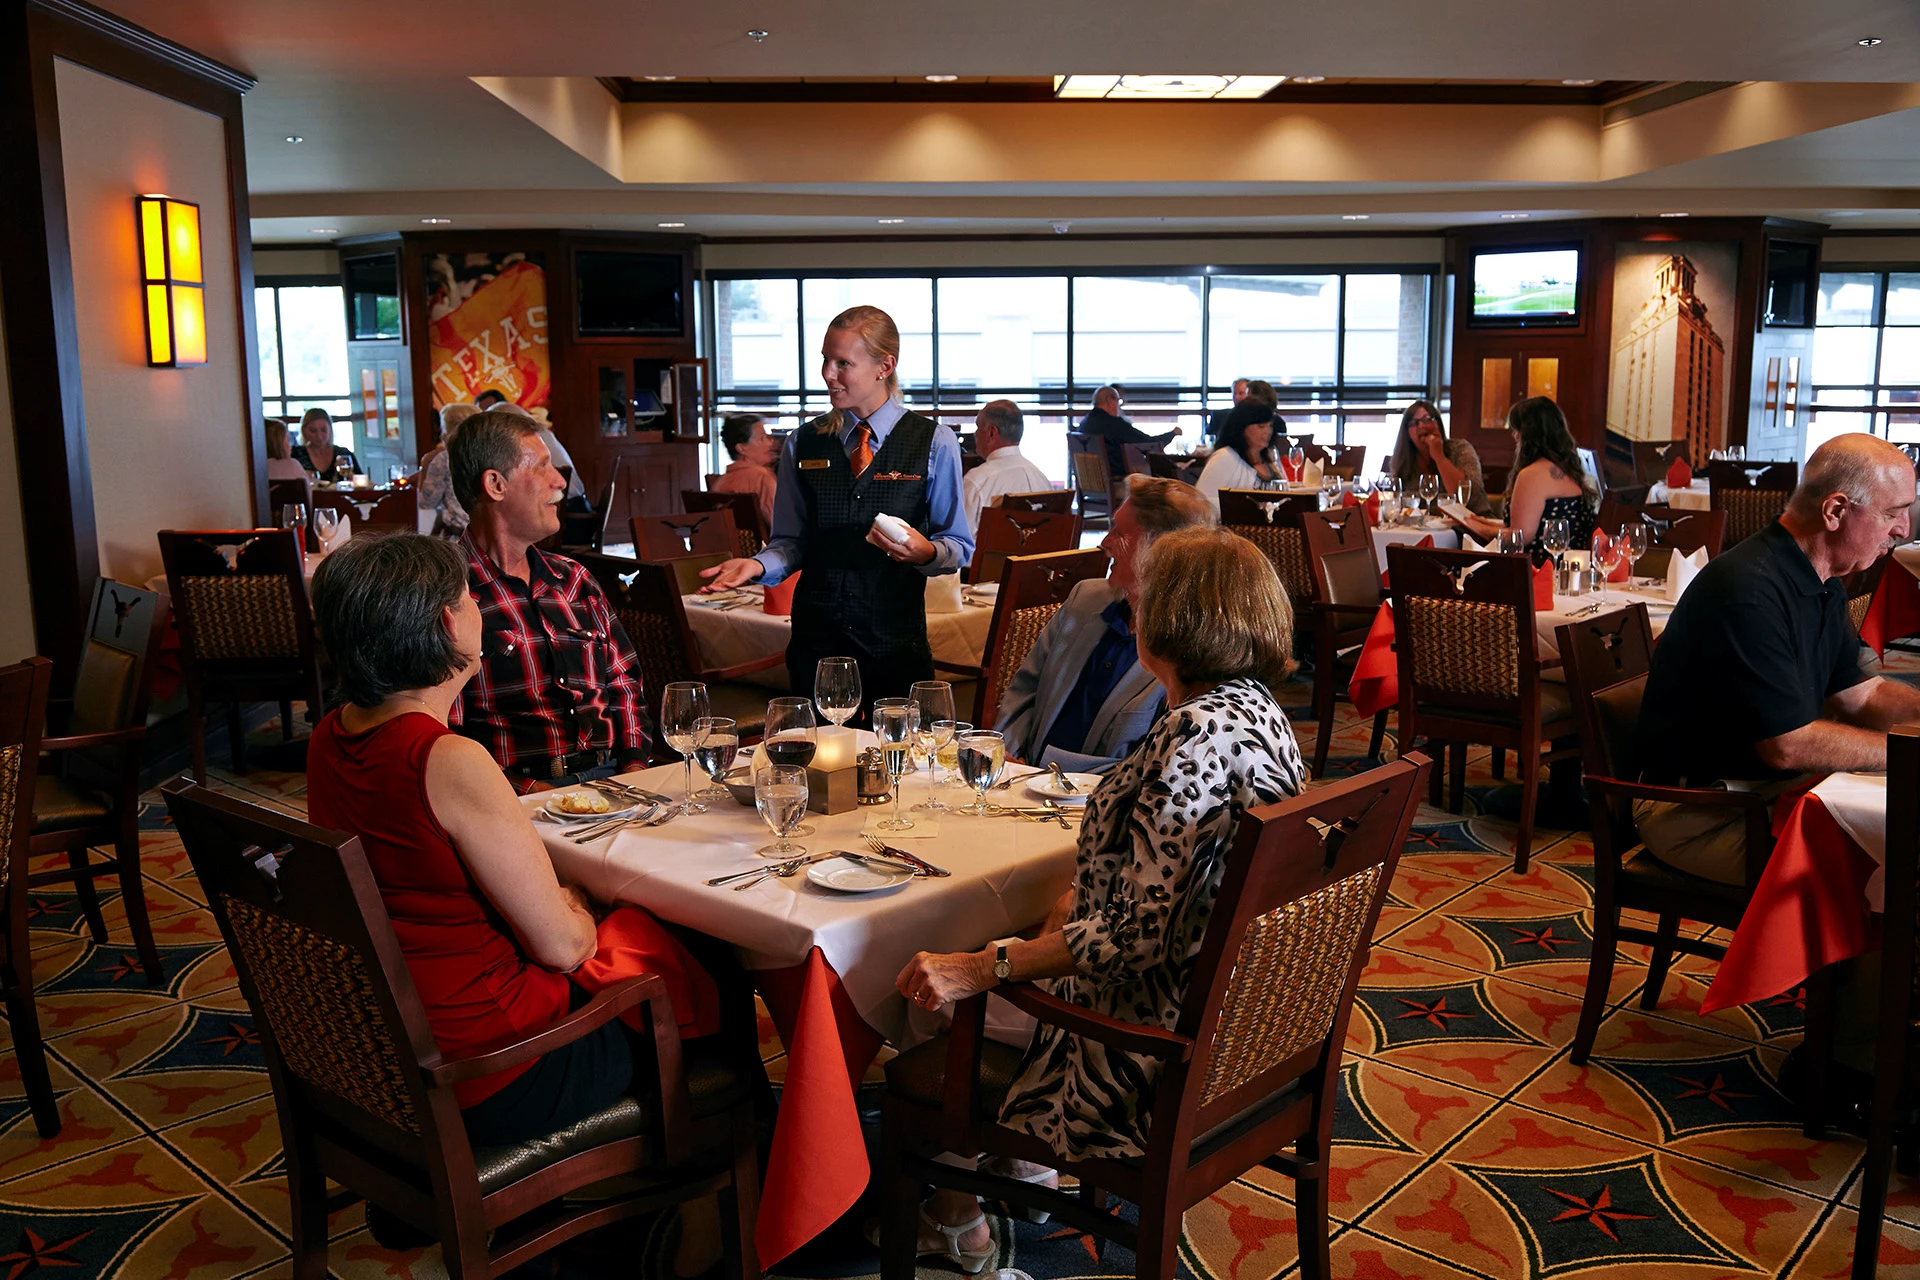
point(1634, 534)
point(1296, 462)
point(396, 476)
point(788, 739)
point(1608, 553)
point(1554, 537)
point(719, 745)
point(780, 794)
point(981, 756)
point(326, 522)
point(935, 700)
point(683, 707)
point(1429, 487)
point(895, 722)
point(836, 688)
point(1511, 543)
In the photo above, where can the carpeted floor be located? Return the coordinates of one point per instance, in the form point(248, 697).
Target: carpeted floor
point(1469, 1146)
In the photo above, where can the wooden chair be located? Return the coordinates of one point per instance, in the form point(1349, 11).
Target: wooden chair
point(1350, 458)
point(1032, 589)
point(1313, 452)
point(1607, 659)
point(1007, 532)
point(713, 477)
point(647, 601)
point(1137, 459)
point(1860, 586)
point(1346, 589)
point(1895, 1106)
point(1163, 466)
point(1092, 483)
point(686, 569)
point(1652, 459)
point(1470, 668)
point(1753, 494)
point(23, 709)
point(92, 797)
point(1248, 1075)
point(750, 531)
point(246, 629)
point(1271, 521)
point(282, 493)
point(373, 511)
point(1670, 527)
point(1043, 500)
point(662, 537)
point(365, 1098)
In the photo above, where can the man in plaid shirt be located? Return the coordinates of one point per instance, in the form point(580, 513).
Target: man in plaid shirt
point(557, 698)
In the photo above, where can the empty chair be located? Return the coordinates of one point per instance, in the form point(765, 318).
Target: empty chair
point(1043, 500)
point(372, 511)
point(1350, 458)
point(1347, 597)
point(750, 531)
point(662, 537)
point(1092, 479)
point(1032, 589)
point(1006, 532)
point(1753, 494)
point(1271, 521)
point(1670, 527)
point(246, 629)
point(589, 528)
point(23, 708)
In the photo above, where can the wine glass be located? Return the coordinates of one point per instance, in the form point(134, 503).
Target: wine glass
point(293, 515)
point(1634, 534)
point(1429, 488)
point(719, 745)
point(396, 476)
point(789, 739)
point(1329, 490)
point(683, 706)
point(780, 794)
point(895, 722)
point(981, 756)
point(1608, 553)
point(836, 689)
point(935, 700)
point(326, 522)
point(342, 471)
point(947, 755)
point(1296, 462)
point(1554, 537)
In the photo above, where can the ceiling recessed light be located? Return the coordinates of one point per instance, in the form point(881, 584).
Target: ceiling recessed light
point(1867, 42)
point(1513, 216)
point(890, 222)
point(757, 35)
point(294, 137)
point(942, 79)
point(659, 77)
point(324, 231)
point(672, 224)
point(436, 222)
point(1355, 217)
point(1308, 79)
point(1673, 215)
point(1578, 84)
point(1163, 87)
point(1844, 213)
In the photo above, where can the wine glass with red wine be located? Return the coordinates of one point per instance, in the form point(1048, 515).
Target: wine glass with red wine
point(789, 739)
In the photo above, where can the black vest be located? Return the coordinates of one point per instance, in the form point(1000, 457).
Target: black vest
point(849, 586)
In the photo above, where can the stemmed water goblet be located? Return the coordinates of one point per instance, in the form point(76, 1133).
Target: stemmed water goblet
point(935, 700)
point(1296, 463)
point(715, 752)
point(836, 689)
point(895, 721)
point(683, 707)
point(1634, 534)
point(780, 794)
point(1554, 537)
point(788, 739)
point(981, 756)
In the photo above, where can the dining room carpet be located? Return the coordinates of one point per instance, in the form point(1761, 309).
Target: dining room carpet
point(1468, 1145)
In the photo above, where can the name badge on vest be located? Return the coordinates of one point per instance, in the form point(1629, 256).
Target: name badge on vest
point(815, 464)
point(895, 475)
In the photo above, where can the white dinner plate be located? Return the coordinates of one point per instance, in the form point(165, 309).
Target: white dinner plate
point(615, 808)
point(844, 875)
point(1047, 786)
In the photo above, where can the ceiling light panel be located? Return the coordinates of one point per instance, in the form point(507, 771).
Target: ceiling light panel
point(1164, 88)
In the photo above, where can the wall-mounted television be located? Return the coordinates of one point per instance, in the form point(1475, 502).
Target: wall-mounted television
point(1536, 286)
point(628, 295)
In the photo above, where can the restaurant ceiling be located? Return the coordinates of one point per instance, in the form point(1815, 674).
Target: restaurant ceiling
point(395, 128)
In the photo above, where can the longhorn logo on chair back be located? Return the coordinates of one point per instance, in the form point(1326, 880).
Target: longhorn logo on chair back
point(121, 608)
point(1458, 577)
point(1268, 509)
point(230, 551)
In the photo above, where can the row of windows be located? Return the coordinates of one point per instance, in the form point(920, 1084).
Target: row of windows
point(1866, 356)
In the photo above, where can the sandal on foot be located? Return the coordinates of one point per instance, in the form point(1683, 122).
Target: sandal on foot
point(971, 1261)
point(1002, 1169)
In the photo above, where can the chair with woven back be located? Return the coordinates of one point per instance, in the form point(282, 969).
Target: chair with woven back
point(1032, 589)
point(1470, 672)
point(1860, 586)
point(1060, 500)
point(1346, 588)
point(1607, 659)
point(647, 601)
point(23, 710)
point(1753, 494)
point(91, 795)
point(246, 630)
point(665, 536)
point(1248, 1075)
point(1092, 478)
point(1271, 521)
point(365, 1098)
point(371, 510)
point(1670, 527)
point(1004, 531)
point(750, 531)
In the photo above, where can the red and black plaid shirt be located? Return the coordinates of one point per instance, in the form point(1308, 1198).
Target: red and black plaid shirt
point(557, 674)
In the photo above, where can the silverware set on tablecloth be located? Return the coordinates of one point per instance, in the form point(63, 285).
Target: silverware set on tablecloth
point(894, 860)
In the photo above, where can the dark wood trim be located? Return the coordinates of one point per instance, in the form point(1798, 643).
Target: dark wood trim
point(156, 50)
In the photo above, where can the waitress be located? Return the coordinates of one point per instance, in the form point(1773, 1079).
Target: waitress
point(863, 595)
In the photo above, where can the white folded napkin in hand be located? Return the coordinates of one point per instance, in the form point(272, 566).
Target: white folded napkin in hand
point(943, 593)
point(892, 528)
point(1681, 570)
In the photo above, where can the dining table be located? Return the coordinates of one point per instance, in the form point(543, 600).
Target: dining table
point(735, 628)
point(1697, 496)
point(824, 961)
point(1895, 608)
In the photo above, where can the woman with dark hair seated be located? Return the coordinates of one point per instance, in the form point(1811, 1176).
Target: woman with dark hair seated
point(1549, 481)
point(1243, 457)
point(754, 455)
point(1422, 449)
point(1214, 627)
point(489, 933)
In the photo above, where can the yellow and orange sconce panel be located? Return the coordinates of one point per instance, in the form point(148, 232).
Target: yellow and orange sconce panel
point(175, 283)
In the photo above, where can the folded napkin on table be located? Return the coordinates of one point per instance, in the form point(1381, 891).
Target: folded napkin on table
point(778, 601)
point(943, 593)
point(1681, 570)
point(338, 539)
point(1470, 543)
point(1312, 473)
point(1679, 474)
point(1543, 587)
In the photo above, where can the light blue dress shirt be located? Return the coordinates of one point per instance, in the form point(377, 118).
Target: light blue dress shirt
point(786, 549)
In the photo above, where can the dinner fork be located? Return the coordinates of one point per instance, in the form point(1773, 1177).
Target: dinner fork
point(924, 867)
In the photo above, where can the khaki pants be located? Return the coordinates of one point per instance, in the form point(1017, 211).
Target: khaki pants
point(1709, 843)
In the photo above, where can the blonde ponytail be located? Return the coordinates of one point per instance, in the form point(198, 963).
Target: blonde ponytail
point(881, 337)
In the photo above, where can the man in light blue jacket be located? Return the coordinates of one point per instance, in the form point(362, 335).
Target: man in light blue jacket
point(1082, 698)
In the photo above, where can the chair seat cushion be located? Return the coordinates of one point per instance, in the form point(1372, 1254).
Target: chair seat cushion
point(715, 1083)
point(1646, 874)
point(1556, 709)
point(920, 1074)
point(60, 805)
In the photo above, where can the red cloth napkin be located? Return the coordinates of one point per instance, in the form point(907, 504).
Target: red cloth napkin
point(779, 600)
point(1543, 587)
point(1601, 545)
point(1372, 505)
point(1679, 475)
point(1291, 472)
point(1349, 499)
point(632, 942)
point(1424, 542)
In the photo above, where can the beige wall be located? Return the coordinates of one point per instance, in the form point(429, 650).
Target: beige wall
point(1891, 250)
point(16, 610)
point(1066, 251)
point(295, 262)
point(168, 448)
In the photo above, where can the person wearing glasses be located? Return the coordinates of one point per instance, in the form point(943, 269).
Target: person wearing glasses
point(1422, 448)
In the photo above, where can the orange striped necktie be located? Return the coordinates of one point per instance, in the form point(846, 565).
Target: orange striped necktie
point(861, 455)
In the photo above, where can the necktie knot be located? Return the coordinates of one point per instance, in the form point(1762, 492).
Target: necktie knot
point(861, 455)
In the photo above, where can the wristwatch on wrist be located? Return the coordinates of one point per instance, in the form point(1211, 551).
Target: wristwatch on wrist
point(1002, 967)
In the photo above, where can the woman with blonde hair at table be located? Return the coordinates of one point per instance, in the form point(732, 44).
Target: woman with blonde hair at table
point(1214, 626)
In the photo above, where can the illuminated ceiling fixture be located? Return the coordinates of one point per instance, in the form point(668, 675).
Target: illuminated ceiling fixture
point(1308, 79)
point(324, 231)
point(941, 79)
point(175, 302)
point(295, 138)
point(435, 222)
point(1355, 217)
point(658, 78)
point(1578, 84)
point(1867, 42)
point(1673, 215)
point(1513, 216)
point(672, 224)
point(1164, 87)
point(890, 222)
point(757, 35)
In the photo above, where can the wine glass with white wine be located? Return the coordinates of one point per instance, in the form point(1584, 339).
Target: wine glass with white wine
point(935, 700)
point(895, 721)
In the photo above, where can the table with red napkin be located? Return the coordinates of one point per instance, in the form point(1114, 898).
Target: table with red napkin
point(1679, 474)
point(1895, 609)
point(1602, 543)
point(1375, 684)
point(1371, 506)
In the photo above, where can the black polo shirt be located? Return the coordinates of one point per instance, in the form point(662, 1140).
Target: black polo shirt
point(1753, 650)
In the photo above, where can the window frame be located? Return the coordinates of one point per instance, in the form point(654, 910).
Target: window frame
point(1877, 411)
point(275, 406)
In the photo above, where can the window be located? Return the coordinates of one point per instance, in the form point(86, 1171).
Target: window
point(1346, 351)
point(303, 354)
point(1866, 356)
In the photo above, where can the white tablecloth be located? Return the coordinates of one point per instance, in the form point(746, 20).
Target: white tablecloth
point(1619, 596)
point(1907, 557)
point(1446, 538)
point(1007, 872)
point(729, 636)
point(1858, 803)
point(1695, 497)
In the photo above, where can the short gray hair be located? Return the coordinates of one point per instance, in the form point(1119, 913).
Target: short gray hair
point(1108, 392)
point(1004, 416)
point(1161, 506)
point(452, 416)
point(1854, 464)
point(488, 441)
point(377, 603)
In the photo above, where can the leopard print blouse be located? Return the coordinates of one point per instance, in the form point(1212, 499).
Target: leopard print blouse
point(1153, 847)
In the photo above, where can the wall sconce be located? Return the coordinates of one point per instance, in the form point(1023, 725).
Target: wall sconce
point(170, 271)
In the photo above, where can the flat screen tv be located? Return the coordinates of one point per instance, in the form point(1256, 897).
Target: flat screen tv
point(1538, 286)
point(624, 295)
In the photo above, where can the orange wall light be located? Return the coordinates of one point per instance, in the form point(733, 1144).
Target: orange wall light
point(170, 272)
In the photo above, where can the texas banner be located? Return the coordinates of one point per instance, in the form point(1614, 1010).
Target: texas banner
point(488, 327)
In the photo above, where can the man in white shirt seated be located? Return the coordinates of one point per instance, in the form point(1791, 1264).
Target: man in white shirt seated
point(996, 437)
